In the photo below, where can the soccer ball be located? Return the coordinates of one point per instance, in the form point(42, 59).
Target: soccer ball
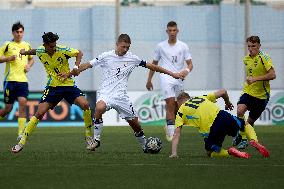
point(153, 145)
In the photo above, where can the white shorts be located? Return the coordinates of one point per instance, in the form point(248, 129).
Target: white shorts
point(122, 105)
point(170, 89)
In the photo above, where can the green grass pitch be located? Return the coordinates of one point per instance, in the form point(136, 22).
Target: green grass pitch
point(56, 158)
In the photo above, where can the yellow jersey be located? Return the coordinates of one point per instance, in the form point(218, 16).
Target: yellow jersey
point(57, 63)
point(199, 112)
point(257, 66)
point(15, 70)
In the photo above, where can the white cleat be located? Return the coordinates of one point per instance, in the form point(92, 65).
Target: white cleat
point(91, 143)
point(17, 148)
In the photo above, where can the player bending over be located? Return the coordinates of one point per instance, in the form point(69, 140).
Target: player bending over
point(213, 124)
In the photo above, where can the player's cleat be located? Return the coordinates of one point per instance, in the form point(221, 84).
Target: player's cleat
point(91, 143)
point(264, 152)
point(98, 143)
point(19, 137)
point(234, 152)
point(17, 148)
point(168, 137)
point(236, 140)
point(243, 144)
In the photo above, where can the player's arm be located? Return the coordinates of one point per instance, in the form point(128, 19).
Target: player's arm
point(270, 75)
point(7, 59)
point(29, 64)
point(28, 52)
point(188, 68)
point(76, 70)
point(149, 84)
point(157, 68)
point(175, 142)
point(222, 93)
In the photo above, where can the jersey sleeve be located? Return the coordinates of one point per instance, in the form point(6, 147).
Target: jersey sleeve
point(40, 50)
point(211, 97)
point(157, 53)
point(179, 122)
point(98, 60)
point(267, 62)
point(187, 55)
point(71, 52)
point(3, 48)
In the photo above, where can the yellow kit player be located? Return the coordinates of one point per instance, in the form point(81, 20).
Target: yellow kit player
point(259, 71)
point(55, 60)
point(15, 79)
point(213, 124)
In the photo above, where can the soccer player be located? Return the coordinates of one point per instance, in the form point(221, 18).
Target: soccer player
point(15, 76)
point(172, 55)
point(256, 90)
point(213, 124)
point(55, 60)
point(116, 66)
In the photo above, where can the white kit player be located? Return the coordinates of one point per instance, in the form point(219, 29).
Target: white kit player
point(116, 66)
point(172, 55)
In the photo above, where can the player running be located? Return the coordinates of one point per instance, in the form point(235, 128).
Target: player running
point(55, 60)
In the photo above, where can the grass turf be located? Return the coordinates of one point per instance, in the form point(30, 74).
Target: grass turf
point(56, 158)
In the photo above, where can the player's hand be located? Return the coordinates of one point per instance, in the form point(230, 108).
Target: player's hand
point(177, 75)
point(64, 76)
point(173, 156)
point(27, 68)
point(149, 85)
point(229, 106)
point(250, 80)
point(11, 58)
point(75, 72)
point(184, 73)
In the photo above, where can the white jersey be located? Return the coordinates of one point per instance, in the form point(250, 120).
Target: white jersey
point(172, 57)
point(116, 70)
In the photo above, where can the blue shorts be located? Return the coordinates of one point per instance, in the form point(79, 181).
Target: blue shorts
point(56, 94)
point(13, 90)
point(254, 105)
point(223, 125)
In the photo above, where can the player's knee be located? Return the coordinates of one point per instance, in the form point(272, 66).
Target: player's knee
point(209, 153)
point(85, 106)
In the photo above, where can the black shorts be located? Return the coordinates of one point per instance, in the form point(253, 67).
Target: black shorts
point(254, 105)
point(13, 90)
point(56, 94)
point(224, 124)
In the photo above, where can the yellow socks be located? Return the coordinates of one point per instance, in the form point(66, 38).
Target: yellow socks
point(28, 130)
point(249, 130)
point(1, 118)
point(88, 122)
point(223, 153)
point(21, 124)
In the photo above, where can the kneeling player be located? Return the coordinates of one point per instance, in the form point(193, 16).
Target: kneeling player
point(213, 124)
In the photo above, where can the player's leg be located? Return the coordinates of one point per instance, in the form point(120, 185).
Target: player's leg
point(82, 102)
point(241, 140)
point(74, 95)
point(22, 116)
point(22, 92)
point(224, 124)
point(171, 106)
point(138, 131)
point(6, 110)
point(253, 141)
point(101, 108)
point(9, 99)
point(42, 109)
point(126, 111)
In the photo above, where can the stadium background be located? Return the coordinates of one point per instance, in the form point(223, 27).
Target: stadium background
point(215, 34)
